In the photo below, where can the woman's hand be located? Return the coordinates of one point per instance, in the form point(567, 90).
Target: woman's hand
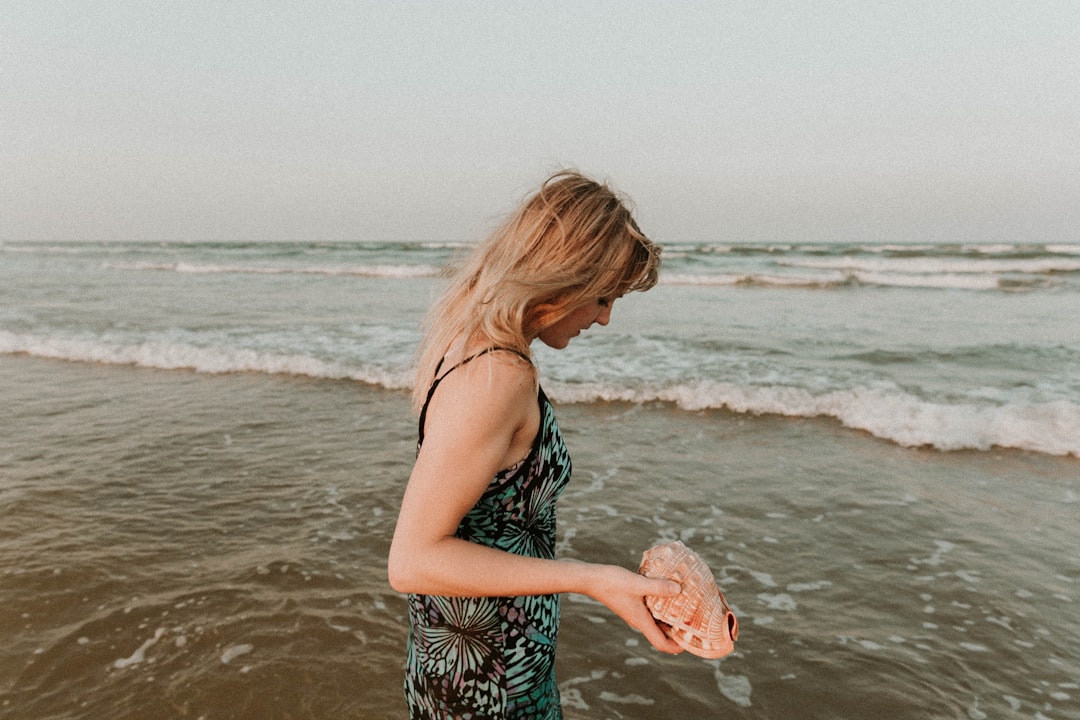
point(623, 592)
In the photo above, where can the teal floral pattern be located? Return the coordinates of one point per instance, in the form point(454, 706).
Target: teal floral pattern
point(494, 657)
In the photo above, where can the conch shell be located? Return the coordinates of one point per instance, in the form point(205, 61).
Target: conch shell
point(698, 618)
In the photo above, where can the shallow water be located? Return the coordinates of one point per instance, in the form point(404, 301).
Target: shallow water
point(177, 544)
point(203, 447)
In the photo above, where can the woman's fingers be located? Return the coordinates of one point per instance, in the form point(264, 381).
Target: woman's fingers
point(631, 607)
point(656, 633)
point(663, 588)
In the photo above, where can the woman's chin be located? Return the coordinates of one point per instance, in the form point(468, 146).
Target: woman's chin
point(558, 343)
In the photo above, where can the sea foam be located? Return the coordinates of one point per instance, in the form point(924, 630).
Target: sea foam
point(386, 271)
point(1051, 427)
point(180, 356)
point(891, 414)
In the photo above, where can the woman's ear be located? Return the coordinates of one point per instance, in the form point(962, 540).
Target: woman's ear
point(546, 313)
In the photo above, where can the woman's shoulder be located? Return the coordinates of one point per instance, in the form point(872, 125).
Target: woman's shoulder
point(492, 357)
point(491, 372)
point(499, 367)
point(494, 392)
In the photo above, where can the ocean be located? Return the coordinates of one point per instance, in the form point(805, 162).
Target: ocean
point(875, 447)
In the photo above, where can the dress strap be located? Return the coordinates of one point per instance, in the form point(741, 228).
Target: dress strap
point(438, 378)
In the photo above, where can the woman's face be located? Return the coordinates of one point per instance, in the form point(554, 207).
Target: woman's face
point(582, 317)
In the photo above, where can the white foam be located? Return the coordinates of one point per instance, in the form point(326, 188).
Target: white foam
point(735, 688)
point(763, 578)
point(631, 699)
point(936, 558)
point(938, 265)
point(883, 410)
point(892, 247)
point(994, 249)
point(180, 356)
point(231, 653)
point(386, 271)
point(779, 601)
point(886, 412)
point(818, 280)
point(41, 249)
point(942, 281)
point(140, 653)
point(805, 587)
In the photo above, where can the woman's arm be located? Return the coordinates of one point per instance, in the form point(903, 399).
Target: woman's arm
point(475, 425)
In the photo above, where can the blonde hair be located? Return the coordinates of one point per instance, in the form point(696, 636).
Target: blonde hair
point(574, 240)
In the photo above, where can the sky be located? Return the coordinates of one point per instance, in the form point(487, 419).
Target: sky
point(723, 121)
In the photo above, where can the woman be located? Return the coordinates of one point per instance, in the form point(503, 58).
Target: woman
point(474, 543)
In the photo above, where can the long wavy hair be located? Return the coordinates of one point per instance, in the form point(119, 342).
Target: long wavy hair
point(572, 241)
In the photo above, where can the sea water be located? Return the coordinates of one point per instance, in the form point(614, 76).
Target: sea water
point(954, 347)
point(876, 448)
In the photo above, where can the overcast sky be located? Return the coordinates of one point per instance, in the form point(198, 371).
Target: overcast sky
point(725, 121)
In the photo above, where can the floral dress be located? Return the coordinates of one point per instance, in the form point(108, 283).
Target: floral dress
point(494, 657)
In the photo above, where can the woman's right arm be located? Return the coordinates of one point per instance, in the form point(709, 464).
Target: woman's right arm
point(470, 428)
point(469, 431)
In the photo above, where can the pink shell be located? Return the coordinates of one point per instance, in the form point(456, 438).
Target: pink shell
point(698, 618)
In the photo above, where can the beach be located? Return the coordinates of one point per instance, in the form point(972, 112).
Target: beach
point(203, 451)
point(853, 391)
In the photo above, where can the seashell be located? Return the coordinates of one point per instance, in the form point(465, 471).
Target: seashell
point(699, 618)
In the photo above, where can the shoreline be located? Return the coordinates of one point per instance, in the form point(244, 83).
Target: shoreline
point(400, 386)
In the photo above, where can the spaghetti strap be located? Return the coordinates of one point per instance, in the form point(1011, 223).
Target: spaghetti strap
point(472, 357)
point(438, 378)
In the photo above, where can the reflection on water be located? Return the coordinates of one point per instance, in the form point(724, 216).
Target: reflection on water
point(192, 546)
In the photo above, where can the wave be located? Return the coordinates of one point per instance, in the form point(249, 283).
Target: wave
point(1052, 427)
point(848, 275)
point(387, 271)
point(675, 248)
point(934, 266)
point(888, 413)
point(827, 279)
point(943, 281)
point(754, 280)
point(968, 250)
point(211, 360)
point(948, 267)
point(973, 267)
